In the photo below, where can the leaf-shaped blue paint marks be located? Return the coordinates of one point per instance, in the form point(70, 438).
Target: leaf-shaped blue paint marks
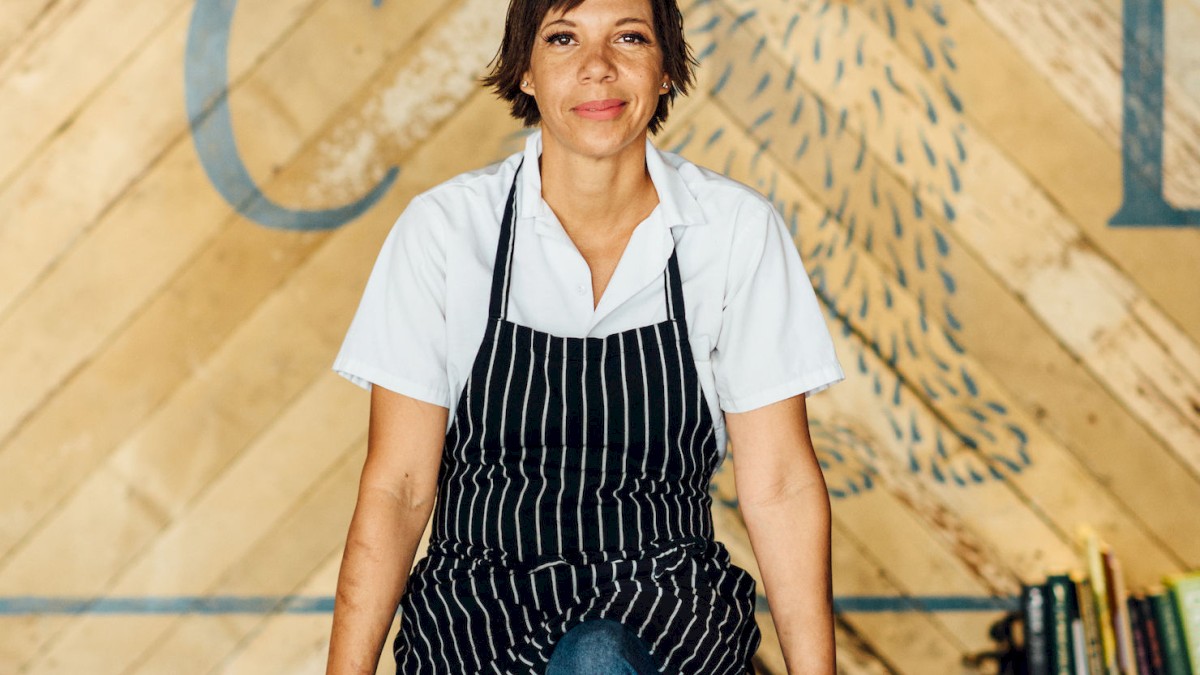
point(823, 121)
point(1018, 433)
point(696, 5)
point(839, 71)
point(796, 110)
point(896, 392)
point(969, 382)
point(722, 80)
point(762, 147)
point(975, 413)
point(887, 295)
point(708, 26)
point(936, 11)
point(817, 47)
point(863, 305)
point(850, 272)
point(875, 187)
point(845, 18)
point(950, 318)
point(953, 344)
point(825, 466)
point(791, 76)
point(858, 51)
point(914, 432)
point(824, 220)
point(929, 155)
point(758, 47)
point(955, 184)
point(909, 3)
point(899, 149)
point(878, 102)
point(828, 170)
point(761, 119)
point(957, 478)
point(862, 363)
point(824, 8)
point(917, 207)
point(714, 137)
point(1011, 465)
point(930, 110)
point(687, 139)
point(986, 434)
point(741, 19)
point(878, 385)
point(774, 185)
point(868, 483)
point(948, 210)
point(908, 339)
point(997, 407)
point(897, 223)
point(787, 32)
point(843, 203)
point(887, 70)
point(995, 472)
point(836, 493)
point(891, 21)
point(947, 281)
point(894, 356)
point(946, 45)
point(919, 252)
point(851, 228)
point(975, 475)
point(793, 223)
point(869, 240)
point(706, 52)
point(933, 395)
point(941, 446)
point(950, 94)
point(729, 162)
point(843, 115)
point(913, 465)
point(962, 149)
point(937, 472)
point(943, 246)
point(926, 52)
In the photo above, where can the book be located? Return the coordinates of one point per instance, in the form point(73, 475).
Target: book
point(1186, 591)
point(1158, 665)
point(1175, 656)
point(1091, 626)
point(1137, 625)
point(1108, 642)
point(1033, 616)
point(1120, 612)
point(1063, 611)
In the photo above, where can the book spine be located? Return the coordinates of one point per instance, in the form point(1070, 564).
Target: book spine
point(1091, 626)
point(1174, 653)
point(1187, 604)
point(1033, 613)
point(1153, 639)
point(1062, 604)
point(1120, 614)
point(1137, 624)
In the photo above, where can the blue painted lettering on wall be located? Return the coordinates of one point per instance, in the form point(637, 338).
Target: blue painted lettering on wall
point(1142, 125)
point(206, 83)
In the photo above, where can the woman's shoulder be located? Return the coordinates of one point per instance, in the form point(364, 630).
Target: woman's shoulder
point(472, 193)
point(721, 199)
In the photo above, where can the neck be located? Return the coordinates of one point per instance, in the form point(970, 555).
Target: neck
point(596, 194)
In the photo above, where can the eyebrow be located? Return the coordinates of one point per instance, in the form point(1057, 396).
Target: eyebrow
point(620, 22)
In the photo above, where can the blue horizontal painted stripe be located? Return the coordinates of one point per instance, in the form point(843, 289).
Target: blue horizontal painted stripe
point(292, 604)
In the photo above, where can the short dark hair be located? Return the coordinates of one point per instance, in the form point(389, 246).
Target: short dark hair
point(520, 30)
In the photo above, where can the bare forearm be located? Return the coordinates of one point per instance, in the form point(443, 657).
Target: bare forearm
point(380, 548)
point(790, 535)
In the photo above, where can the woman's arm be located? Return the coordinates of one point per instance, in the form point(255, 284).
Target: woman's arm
point(785, 504)
point(395, 497)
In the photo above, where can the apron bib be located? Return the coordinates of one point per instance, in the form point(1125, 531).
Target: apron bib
point(574, 485)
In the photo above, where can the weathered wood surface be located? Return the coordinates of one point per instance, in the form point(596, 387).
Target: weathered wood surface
point(168, 424)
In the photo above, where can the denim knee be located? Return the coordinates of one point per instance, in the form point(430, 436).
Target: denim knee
point(600, 647)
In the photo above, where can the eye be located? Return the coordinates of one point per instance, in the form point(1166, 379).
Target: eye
point(560, 39)
point(634, 38)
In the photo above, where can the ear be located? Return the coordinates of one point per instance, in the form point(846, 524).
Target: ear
point(527, 83)
point(663, 90)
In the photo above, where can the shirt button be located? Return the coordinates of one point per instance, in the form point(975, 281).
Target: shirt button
point(581, 289)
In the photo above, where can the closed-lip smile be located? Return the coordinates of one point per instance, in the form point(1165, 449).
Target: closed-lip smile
point(605, 109)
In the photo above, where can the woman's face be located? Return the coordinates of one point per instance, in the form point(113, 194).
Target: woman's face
point(596, 73)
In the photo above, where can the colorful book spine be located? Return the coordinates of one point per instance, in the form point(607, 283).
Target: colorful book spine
point(1108, 641)
point(1175, 656)
point(1126, 661)
point(1033, 614)
point(1158, 665)
point(1091, 626)
point(1063, 611)
point(1186, 590)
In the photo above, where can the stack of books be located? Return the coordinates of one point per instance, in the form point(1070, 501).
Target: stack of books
point(1087, 623)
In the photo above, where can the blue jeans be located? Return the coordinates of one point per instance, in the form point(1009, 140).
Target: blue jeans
point(601, 647)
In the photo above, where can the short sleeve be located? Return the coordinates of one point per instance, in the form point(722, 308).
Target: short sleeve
point(773, 342)
point(397, 338)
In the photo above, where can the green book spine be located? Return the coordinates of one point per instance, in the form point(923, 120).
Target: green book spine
point(1170, 637)
point(1186, 590)
point(1063, 610)
point(1091, 626)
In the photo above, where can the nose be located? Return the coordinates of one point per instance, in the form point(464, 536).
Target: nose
point(597, 63)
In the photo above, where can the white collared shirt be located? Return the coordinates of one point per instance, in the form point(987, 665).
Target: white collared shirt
point(757, 332)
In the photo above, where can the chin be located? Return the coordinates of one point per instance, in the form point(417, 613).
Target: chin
point(598, 140)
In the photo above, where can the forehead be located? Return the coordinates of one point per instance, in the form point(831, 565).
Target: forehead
point(600, 10)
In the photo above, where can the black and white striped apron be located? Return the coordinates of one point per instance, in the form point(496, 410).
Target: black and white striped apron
point(574, 485)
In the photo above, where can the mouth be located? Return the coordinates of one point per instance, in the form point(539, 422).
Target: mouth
point(607, 109)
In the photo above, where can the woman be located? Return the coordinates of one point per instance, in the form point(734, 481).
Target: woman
point(560, 344)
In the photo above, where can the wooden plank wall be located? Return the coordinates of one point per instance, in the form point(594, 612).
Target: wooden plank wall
point(169, 426)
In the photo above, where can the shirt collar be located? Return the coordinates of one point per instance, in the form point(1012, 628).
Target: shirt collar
point(676, 203)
